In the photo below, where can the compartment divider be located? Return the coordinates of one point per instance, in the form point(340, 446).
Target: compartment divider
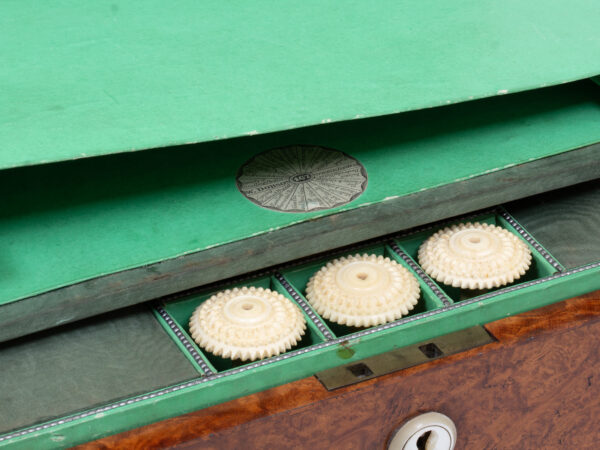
point(512, 222)
point(299, 299)
point(185, 343)
point(439, 294)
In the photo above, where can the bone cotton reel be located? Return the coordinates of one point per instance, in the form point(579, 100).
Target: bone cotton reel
point(363, 291)
point(474, 256)
point(247, 323)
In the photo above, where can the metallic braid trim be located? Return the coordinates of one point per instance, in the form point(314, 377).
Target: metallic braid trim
point(422, 275)
point(302, 303)
point(184, 340)
point(531, 240)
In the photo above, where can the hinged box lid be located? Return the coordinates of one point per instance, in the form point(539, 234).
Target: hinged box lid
point(94, 78)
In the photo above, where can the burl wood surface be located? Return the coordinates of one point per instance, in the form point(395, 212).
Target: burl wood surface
point(538, 387)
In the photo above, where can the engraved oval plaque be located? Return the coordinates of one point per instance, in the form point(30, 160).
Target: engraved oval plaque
point(301, 178)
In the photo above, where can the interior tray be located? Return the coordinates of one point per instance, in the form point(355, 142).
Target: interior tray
point(291, 284)
point(291, 281)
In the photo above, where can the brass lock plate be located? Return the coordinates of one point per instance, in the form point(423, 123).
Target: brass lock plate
point(404, 357)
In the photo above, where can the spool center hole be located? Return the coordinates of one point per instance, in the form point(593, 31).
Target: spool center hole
point(474, 240)
point(247, 306)
point(362, 276)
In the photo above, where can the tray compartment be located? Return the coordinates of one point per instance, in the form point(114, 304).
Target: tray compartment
point(565, 222)
point(181, 311)
point(86, 364)
point(539, 268)
point(298, 278)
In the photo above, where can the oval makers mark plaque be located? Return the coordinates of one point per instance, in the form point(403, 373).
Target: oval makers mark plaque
point(301, 178)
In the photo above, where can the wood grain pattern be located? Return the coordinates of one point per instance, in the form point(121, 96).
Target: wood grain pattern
point(550, 319)
point(537, 387)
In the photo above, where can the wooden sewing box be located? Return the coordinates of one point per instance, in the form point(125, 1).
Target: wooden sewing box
point(154, 153)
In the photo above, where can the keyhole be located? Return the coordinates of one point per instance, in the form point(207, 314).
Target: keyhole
point(247, 306)
point(362, 276)
point(422, 441)
point(474, 240)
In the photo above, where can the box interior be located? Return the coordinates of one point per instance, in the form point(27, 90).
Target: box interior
point(122, 354)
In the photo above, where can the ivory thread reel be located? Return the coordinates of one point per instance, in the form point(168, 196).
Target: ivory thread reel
point(474, 256)
point(363, 290)
point(247, 323)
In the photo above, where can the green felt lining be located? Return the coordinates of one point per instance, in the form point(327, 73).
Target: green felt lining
point(82, 79)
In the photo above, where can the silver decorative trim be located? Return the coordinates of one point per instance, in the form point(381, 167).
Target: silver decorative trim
point(305, 307)
point(530, 239)
point(441, 295)
point(184, 340)
point(291, 354)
